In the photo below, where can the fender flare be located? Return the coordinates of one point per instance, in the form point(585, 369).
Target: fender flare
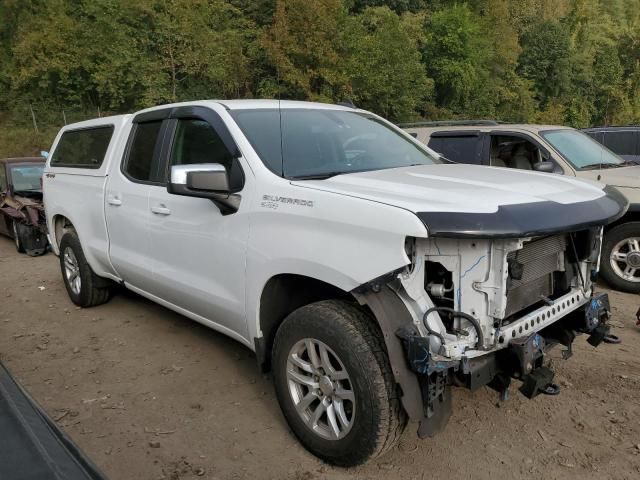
point(391, 314)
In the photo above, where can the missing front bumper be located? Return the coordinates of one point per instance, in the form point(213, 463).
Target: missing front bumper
point(522, 359)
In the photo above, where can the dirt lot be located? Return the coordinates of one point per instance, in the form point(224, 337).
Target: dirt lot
point(148, 394)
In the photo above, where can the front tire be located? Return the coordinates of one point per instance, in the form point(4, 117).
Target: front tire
point(620, 263)
point(84, 287)
point(335, 385)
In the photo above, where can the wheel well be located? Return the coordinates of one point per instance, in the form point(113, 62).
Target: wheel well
point(282, 295)
point(60, 225)
point(628, 217)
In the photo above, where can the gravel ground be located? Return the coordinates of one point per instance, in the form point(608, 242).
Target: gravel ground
point(149, 394)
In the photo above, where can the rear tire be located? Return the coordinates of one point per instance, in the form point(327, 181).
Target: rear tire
point(616, 244)
point(84, 287)
point(354, 380)
point(16, 237)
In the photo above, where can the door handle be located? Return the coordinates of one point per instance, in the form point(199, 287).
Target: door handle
point(114, 200)
point(161, 210)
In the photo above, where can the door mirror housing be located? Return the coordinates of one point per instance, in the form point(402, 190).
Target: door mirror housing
point(204, 180)
point(207, 180)
point(545, 166)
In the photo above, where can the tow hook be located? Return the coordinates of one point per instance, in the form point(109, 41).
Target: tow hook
point(539, 381)
point(523, 360)
point(595, 317)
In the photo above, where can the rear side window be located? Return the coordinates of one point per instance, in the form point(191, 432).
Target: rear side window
point(622, 143)
point(141, 160)
point(84, 148)
point(460, 149)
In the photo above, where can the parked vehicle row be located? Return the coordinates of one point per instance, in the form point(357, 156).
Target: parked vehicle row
point(366, 271)
point(552, 149)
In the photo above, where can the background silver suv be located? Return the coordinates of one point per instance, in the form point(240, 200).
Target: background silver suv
point(551, 149)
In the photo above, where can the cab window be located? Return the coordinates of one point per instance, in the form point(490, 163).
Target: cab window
point(513, 151)
point(197, 142)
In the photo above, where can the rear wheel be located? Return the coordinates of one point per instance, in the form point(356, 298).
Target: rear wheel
point(16, 237)
point(620, 263)
point(84, 287)
point(334, 383)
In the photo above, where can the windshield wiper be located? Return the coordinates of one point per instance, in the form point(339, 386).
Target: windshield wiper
point(594, 166)
point(318, 176)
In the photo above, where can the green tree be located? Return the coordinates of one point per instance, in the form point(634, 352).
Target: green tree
point(384, 69)
point(545, 60)
point(305, 45)
point(455, 53)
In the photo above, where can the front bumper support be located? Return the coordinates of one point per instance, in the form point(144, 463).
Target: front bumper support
point(523, 360)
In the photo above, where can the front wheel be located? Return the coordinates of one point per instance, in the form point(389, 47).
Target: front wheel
point(334, 383)
point(84, 287)
point(620, 263)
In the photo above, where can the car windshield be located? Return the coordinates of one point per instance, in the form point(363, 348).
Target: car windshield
point(26, 177)
point(583, 152)
point(321, 143)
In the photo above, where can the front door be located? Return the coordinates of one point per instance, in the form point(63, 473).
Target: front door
point(199, 253)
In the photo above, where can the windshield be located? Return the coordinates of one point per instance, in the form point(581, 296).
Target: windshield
point(318, 143)
point(26, 177)
point(581, 150)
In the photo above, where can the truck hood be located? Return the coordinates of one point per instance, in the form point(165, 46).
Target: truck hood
point(469, 200)
point(458, 188)
point(626, 177)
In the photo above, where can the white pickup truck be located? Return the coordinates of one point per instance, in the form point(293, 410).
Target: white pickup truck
point(366, 272)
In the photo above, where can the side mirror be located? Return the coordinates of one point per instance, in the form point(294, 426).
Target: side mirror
point(546, 167)
point(206, 180)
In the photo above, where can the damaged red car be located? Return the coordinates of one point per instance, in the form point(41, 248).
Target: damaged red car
point(21, 207)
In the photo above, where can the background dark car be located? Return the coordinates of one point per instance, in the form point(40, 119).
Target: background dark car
point(623, 141)
point(21, 208)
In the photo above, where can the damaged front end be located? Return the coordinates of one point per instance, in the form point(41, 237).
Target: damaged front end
point(24, 215)
point(484, 312)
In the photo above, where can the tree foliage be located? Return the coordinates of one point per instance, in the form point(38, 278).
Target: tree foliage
point(575, 62)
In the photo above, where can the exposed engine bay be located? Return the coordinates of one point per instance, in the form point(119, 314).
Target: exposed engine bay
point(485, 311)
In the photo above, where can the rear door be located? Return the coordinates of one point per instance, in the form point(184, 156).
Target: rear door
point(127, 202)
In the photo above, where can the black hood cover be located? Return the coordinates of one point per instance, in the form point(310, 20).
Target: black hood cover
point(528, 219)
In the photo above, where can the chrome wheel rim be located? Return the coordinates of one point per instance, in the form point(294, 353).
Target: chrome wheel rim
point(625, 259)
point(321, 389)
point(72, 271)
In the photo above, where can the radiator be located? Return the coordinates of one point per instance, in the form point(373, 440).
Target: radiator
point(539, 259)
